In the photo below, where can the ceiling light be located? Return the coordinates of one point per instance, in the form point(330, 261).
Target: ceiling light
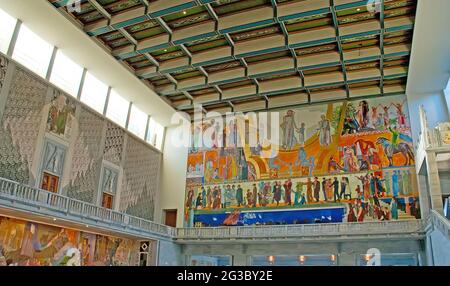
point(54, 219)
point(165, 50)
point(87, 226)
point(184, 12)
point(359, 9)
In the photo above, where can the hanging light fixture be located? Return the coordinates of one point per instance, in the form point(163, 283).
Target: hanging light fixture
point(271, 259)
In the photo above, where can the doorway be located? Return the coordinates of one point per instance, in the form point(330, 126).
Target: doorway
point(50, 183)
point(171, 218)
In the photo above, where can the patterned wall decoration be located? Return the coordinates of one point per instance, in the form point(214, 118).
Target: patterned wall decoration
point(30, 244)
point(19, 128)
point(3, 68)
point(140, 179)
point(114, 144)
point(89, 139)
point(350, 161)
point(87, 157)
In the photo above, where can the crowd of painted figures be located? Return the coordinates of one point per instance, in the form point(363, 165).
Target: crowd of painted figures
point(361, 201)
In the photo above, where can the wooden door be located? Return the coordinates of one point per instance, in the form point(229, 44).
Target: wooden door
point(107, 201)
point(171, 218)
point(50, 183)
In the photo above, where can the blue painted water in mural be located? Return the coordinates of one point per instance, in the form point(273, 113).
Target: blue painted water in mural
point(297, 216)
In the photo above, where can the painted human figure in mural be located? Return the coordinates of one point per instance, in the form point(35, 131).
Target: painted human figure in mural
point(223, 201)
point(401, 117)
point(231, 136)
point(204, 202)
point(239, 196)
point(394, 208)
point(298, 192)
point(60, 115)
point(289, 126)
point(324, 131)
point(351, 216)
point(350, 123)
point(199, 202)
point(363, 114)
point(316, 186)
point(324, 189)
point(350, 160)
point(302, 134)
point(277, 193)
point(335, 184)
point(190, 198)
point(344, 185)
point(309, 190)
point(287, 192)
point(386, 120)
point(255, 195)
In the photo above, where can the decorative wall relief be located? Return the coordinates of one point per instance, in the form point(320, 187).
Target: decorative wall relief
point(109, 180)
point(54, 156)
point(114, 144)
point(3, 68)
point(61, 115)
point(350, 161)
point(19, 128)
point(140, 179)
point(87, 157)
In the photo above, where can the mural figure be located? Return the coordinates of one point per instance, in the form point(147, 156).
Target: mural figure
point(324, 131)
point(390, 149)
point(60, 115)
point(302, 134)
point(289, 126)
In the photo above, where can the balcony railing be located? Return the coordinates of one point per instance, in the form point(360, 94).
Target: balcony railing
point(26, 195)
point(440, 222)
point(341, 230)
point(17, 192)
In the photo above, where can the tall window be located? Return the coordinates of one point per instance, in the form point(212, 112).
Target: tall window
point(138, 121)
point(117, 109)
point(94, 92)
point(66, 74)
point(7, 24)
point(32, 51)
point(156, 134)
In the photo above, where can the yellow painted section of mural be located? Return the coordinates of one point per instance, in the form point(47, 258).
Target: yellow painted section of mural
point(30, 244)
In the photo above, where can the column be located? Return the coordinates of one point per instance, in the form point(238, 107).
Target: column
point(434, 185)
point(241, 260)
point(346, 259)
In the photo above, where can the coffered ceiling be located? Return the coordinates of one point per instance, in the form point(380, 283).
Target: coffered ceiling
point(242, 55)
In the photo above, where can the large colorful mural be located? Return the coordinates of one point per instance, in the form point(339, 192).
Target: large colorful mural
point(349, 161)
point(30, 244)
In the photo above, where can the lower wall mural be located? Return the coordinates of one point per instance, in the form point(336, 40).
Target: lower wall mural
point(25, 243)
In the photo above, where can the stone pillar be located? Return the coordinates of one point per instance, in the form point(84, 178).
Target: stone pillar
point(241, 260)
point(434, 185)
point(423, 195)
point(346, 259)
